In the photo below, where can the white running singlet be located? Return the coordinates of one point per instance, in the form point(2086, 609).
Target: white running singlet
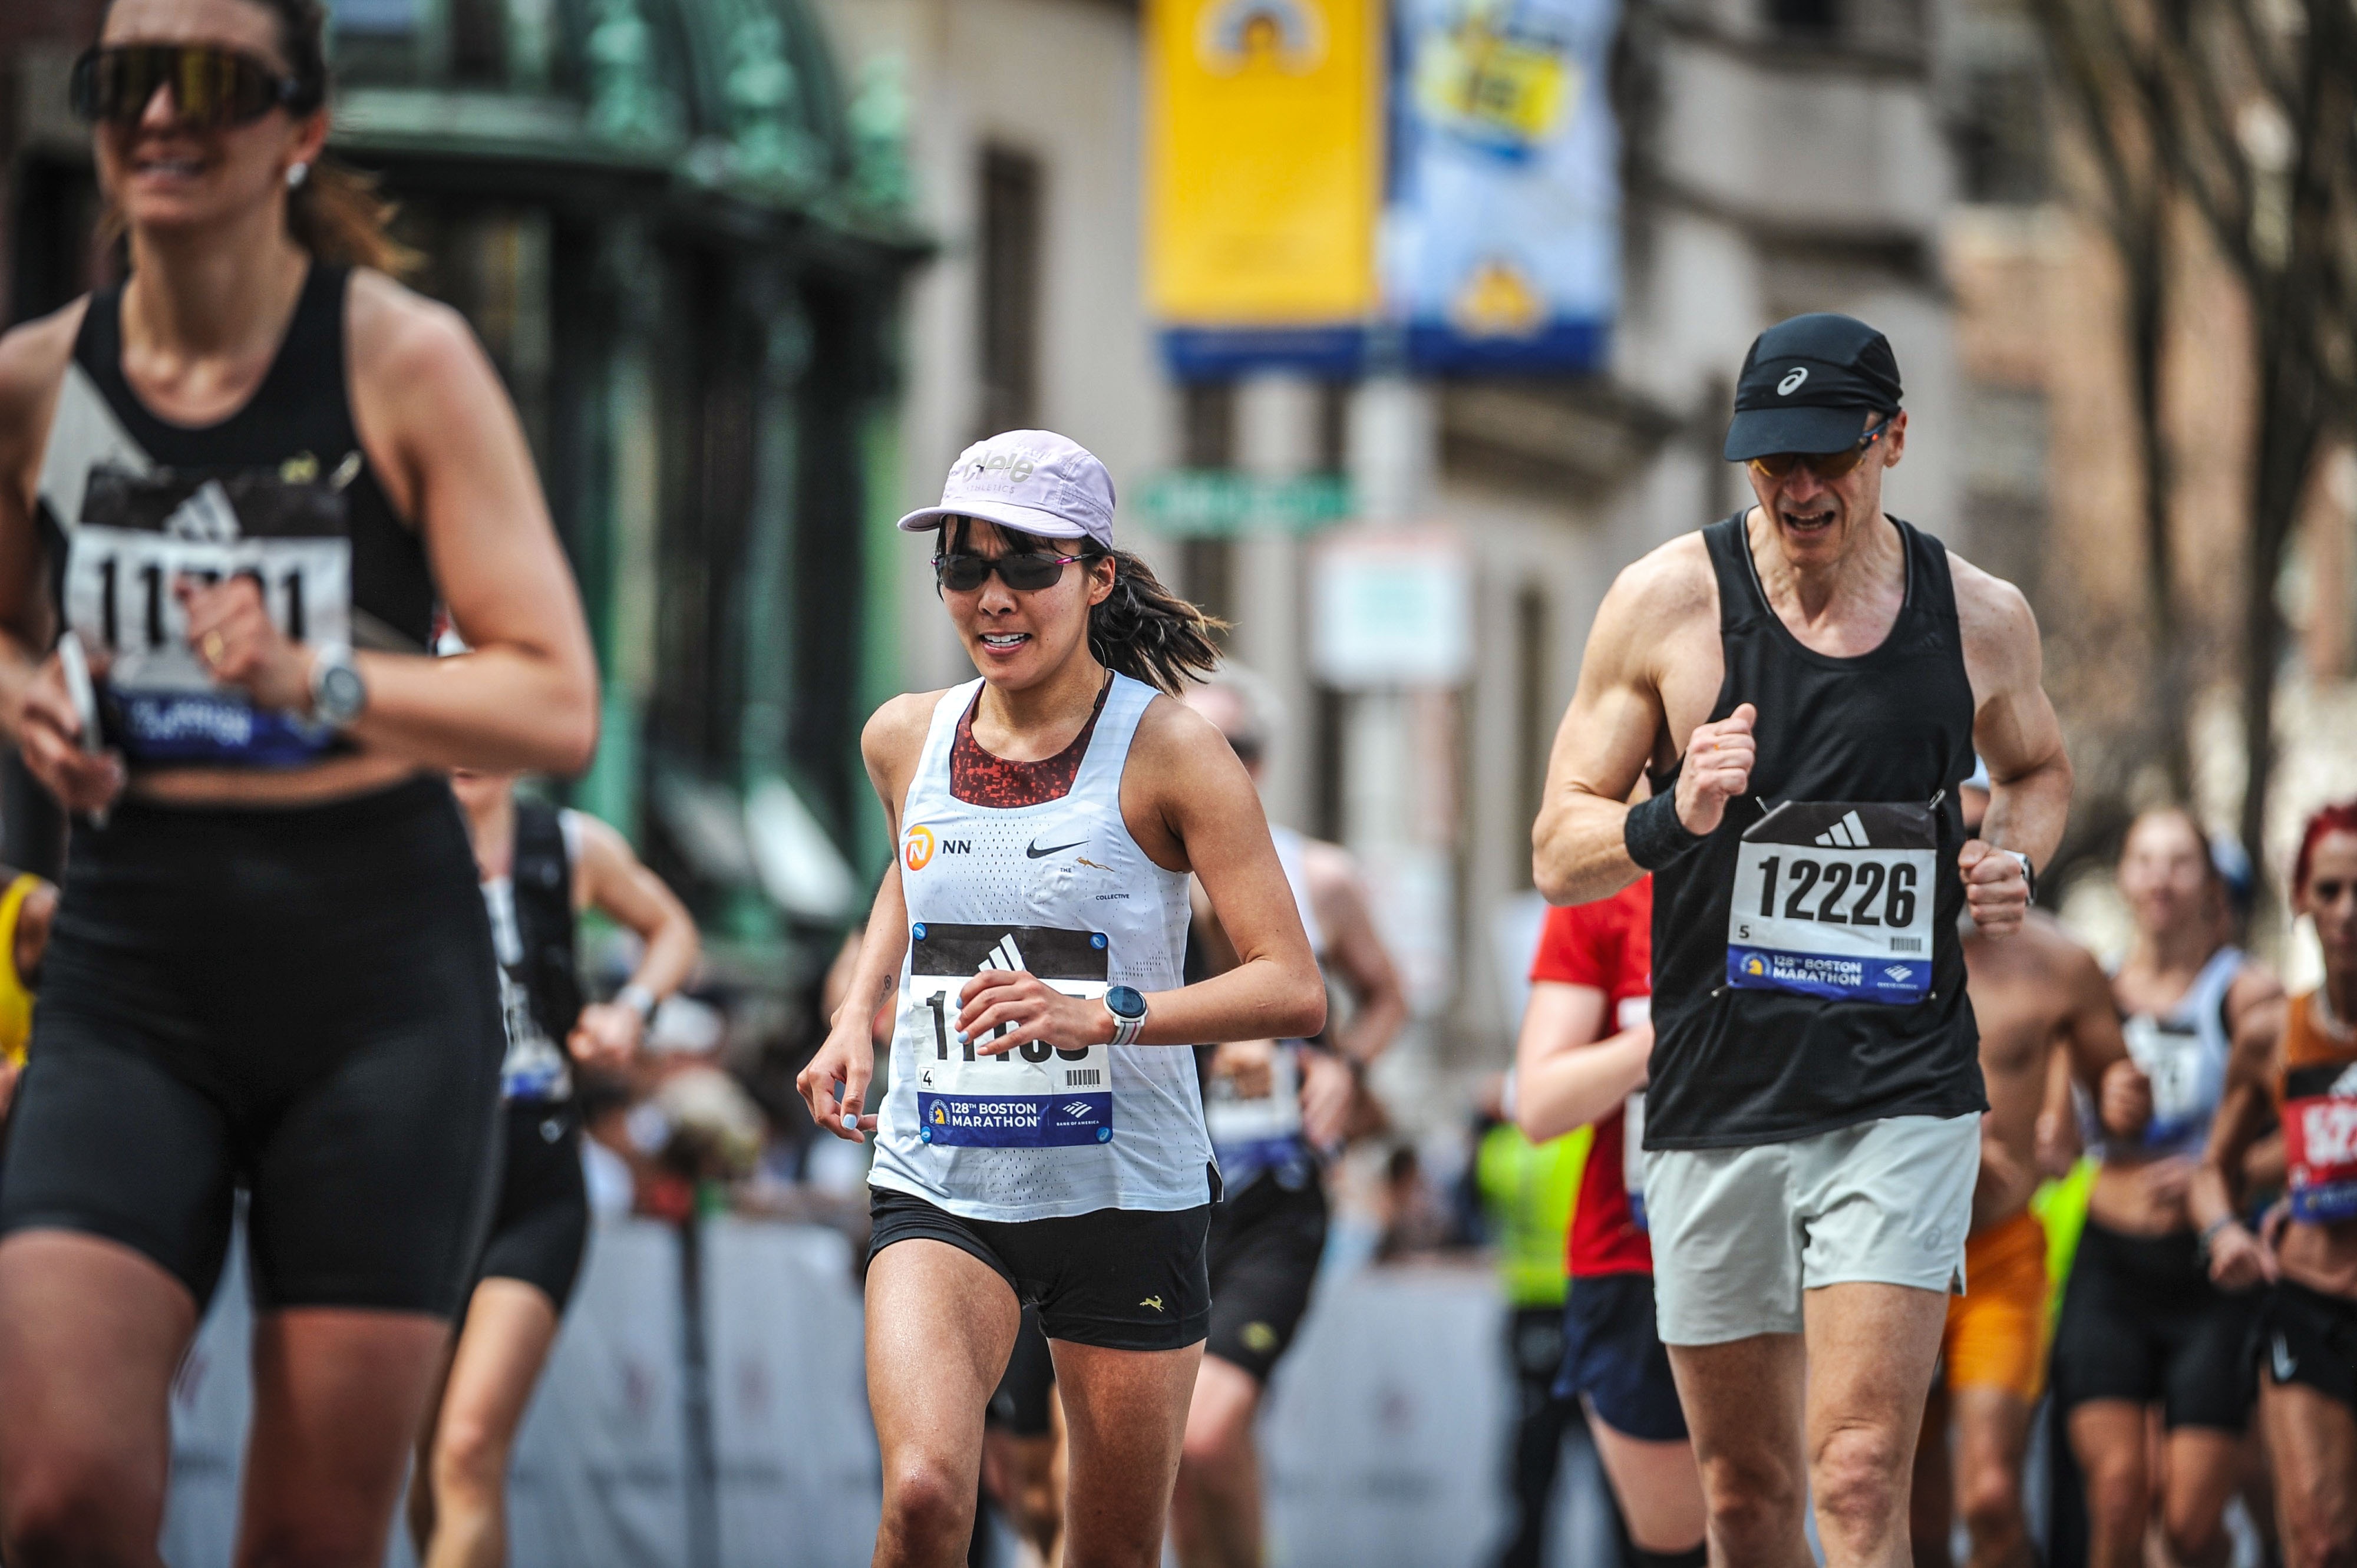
point(1061, 891)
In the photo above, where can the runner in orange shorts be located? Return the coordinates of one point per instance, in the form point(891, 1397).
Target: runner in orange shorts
point(2038, 995)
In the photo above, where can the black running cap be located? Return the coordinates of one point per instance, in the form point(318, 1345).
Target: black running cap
point(1806, 386)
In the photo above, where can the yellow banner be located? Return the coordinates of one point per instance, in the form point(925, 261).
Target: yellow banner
point(1264, 158)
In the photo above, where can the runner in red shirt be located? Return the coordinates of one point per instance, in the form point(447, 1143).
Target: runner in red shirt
point(1581, 1060)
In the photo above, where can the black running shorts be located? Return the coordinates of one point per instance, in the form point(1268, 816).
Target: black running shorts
point(301, 1001)
point(1613, 1358)
point(1266, 1240)
point(2141, 1322)
point(2307, 1337)
point(1122, 1279)
point(1026, 1395)
point(541, 1229)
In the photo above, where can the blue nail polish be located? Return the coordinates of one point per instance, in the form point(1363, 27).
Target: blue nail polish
point(850, 1122)
point(962, 1039)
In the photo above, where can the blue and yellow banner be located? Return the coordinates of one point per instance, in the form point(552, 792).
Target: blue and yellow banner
point(1503, 241)
point(1264, 176)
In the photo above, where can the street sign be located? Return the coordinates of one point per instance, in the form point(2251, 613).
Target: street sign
point(1391, 608)
point(1217, 503)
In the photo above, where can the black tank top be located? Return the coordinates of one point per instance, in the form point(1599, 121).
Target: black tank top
point(541, 873)
point(1734, 1066)
point(292, 481)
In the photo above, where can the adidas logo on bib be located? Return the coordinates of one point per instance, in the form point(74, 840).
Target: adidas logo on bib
point(1847, 833)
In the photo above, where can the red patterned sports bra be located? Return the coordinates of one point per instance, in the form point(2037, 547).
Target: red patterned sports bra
point(979, 778)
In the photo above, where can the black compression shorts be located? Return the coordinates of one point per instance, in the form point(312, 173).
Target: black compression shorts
point(1613, 1358)
point(2141, 1322)
point(1026, 1393)
point(1266, 1240)
point(540, 1228)
point(2307, 1337)
point(1123, 1279)
point(301, 1001)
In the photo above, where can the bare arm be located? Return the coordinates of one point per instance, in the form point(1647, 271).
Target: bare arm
point(890, 744)
point(2017, 735)
point(1616, 725)
point(2237, 1258)
point(2098, 1052)
point(1355, 948)
point(608, 876)
point(1565, 1076)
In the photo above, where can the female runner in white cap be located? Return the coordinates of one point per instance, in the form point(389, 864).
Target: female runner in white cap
point(1041, 1138)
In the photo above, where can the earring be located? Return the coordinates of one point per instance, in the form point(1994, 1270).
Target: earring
point(295, 175)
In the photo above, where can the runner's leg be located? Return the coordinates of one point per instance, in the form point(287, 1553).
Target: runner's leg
point(421, 1460)
point(1216, 1506)
point(1932, 1495)
point(1870, 1352)
point(1743, 1402)
point(1992, 1440)
point(1126, 1412)
point(2313, 1438)
point(941, 1324)
point(2107, 1438)
point(338, 1394)
point(1657, 1486)
point(502, 1346)
point(2205, 1466)
point(91, 1334)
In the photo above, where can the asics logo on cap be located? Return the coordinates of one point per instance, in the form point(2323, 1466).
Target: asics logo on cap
point(1847, 833)
point(1793, 380)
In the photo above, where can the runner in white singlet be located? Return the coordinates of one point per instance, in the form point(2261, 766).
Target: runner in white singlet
point(1041, 1141)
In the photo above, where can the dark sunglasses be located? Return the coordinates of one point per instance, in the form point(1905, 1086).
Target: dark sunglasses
point(1824, 464)
point(212, 87)
point(963, 572)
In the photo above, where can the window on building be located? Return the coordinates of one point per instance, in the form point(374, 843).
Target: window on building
point(1814, 17)
point(2001, 132)
point(1207, 439)
point(1013, 206)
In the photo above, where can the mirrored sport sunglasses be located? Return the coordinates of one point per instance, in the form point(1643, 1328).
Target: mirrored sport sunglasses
point(1824, 464)
point(210, 86)
point(1027, 572)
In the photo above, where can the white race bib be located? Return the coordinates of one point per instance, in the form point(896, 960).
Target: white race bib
point(1035, 1096)
point(1234, 1117)
point(2170, 1056)
point(138, 536)
point(1835, 901)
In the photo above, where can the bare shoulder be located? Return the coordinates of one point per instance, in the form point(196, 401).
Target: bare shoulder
point(399, 333)
point(2254, 985)
point(1669, 583)
point(895, 733)
point(1330, 867)
point(32, 362)
point(601, 838)
point(2064, 958)
point(1994, 615)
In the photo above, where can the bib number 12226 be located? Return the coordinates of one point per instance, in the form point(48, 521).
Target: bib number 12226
point(1835, 901)
point(1035, 1096)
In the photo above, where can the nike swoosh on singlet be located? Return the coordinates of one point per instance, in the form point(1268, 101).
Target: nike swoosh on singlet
point(1033, 852)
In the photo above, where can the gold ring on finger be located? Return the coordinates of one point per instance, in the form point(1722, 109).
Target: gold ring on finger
point(215, 645)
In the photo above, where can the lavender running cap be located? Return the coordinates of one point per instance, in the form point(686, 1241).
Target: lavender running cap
point(1034, 480)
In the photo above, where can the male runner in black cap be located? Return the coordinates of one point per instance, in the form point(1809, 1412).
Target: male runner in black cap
point(1807, 681)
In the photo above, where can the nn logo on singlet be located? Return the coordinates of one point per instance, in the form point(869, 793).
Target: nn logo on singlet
point(920, 843)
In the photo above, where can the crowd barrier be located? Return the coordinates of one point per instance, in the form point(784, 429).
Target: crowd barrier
point(705, 1407)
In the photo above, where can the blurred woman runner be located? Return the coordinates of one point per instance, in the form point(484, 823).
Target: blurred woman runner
point(1042, 1139)
point(2142, 1323)
point(541, 868)
point(2299, 1065)
point(252, 469)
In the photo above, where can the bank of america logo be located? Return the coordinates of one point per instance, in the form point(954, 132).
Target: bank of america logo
point(1896, 972)
point(1078, 1109)
point(1006, 955)
point(1847, 833)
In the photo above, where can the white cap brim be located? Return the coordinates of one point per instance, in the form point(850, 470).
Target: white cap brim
point(1027, 519)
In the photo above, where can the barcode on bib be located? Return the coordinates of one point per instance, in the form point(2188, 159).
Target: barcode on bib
point(1905, 944)
point(1076, 1078)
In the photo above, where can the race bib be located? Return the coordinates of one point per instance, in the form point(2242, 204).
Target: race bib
point(1835, 901)
point(2321, 1141)
point(2169, 1054)
point(1251, 1108)
point(1634, 1010)
point(138, 535)
point(1035, 1096)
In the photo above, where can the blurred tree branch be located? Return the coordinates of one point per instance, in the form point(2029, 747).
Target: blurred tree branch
point(2249, 109)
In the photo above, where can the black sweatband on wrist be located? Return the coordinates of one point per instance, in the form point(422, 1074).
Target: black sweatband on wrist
point(1653, 834)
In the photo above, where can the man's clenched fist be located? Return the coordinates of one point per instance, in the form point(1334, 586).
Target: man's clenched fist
point(1717, 769)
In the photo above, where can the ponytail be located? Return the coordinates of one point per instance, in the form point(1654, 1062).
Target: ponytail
point(1147, 632)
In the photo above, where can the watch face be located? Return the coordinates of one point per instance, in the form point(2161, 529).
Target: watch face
point(1125, 1001)
point(341, 692)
